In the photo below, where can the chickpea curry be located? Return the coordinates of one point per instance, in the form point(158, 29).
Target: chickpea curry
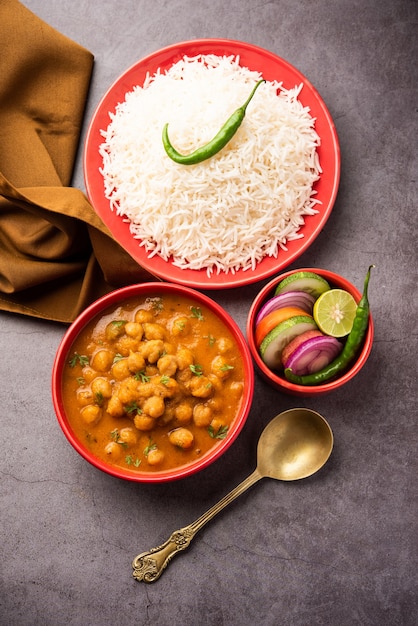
point(153, 384)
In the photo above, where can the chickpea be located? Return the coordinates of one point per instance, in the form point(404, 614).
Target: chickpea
point(135, 330)
point(200, 387)
point(155, 456)
point(224, 344)
point(167, 416)
point(85, 396)
point(180, 326)
point(128, 435)
point(184, 358)
point(169, 388)
point(236, 389)
point(113, 450)
point(216, 404)
point(183, 412)
point(115, 406)
point(184, 376)
point(217, 424)
point(102, 360)
point(88, 373)
point(153, 331)
point(143, 315)
point(215, 381)
point(144, 422)
point(181, 438)
point(152, 350)
point(114, 329)
point(151, 370)
point(136, 362)
point(120, 369)
point(126, 344)
point(128, 390)
point(101, 387)
point(169, 348)
point(202, 415)
point(148, 389)
point(154, 406)
point(221, 367)
point(167, 365)
point(91, 414)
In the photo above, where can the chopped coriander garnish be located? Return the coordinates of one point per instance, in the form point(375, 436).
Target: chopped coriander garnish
point(156, 304)
point(118, 323)
point(218, 434)
point(115, 436)
point(129, 460)
point(151, 446)
point(132, 407)
point(117, 357)
point(164, 380)
point(141, 376)
point(226, 367)
point(197, 370)
point(81, 359)
point(99, 399)
point(196, 312)
point(211, 339)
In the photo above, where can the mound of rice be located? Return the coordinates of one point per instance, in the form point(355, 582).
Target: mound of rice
point(230, 211)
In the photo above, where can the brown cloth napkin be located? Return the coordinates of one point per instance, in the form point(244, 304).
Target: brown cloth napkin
point(56, 255)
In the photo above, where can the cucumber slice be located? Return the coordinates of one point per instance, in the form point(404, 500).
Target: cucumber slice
point(273, 343)
point(303, 281)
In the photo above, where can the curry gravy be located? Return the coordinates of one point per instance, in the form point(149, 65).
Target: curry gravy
point(153, 384)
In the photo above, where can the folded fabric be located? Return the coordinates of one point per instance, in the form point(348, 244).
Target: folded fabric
point(56, 255)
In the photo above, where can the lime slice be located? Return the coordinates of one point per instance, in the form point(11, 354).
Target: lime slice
point(334, 312)
point(303, 281)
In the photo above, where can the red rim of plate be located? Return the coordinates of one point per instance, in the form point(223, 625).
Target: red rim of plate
point(98, 307)
point(273, 68)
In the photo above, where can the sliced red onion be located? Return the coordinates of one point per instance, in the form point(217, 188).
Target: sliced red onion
point(299, 299)
point(313, 355)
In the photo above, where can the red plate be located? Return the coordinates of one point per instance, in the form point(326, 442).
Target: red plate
point(272, 67)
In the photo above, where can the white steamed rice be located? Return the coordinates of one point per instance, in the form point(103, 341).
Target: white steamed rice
point(230, 211)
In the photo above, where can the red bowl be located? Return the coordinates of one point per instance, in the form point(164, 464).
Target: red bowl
point(120, 296)
point(279, 381)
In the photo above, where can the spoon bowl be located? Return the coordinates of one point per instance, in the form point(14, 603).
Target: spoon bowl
point(294, 445)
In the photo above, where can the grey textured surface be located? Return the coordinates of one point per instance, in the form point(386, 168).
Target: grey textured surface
point(339, 549)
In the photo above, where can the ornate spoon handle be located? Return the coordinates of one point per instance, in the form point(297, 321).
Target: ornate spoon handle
point(148, 566)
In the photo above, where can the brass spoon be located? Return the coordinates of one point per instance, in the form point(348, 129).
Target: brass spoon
point(294, 445)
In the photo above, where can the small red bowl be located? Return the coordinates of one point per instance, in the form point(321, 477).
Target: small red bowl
point(141, 291)
point(279, 381)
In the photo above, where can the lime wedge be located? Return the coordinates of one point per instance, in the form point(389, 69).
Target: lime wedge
point(334, 312)
point(303, 281)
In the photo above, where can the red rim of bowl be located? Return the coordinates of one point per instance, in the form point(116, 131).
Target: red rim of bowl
point(272, 67)
point(279, 381)
point(94, 310)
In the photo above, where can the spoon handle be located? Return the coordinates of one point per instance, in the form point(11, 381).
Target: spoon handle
point(148, 566)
